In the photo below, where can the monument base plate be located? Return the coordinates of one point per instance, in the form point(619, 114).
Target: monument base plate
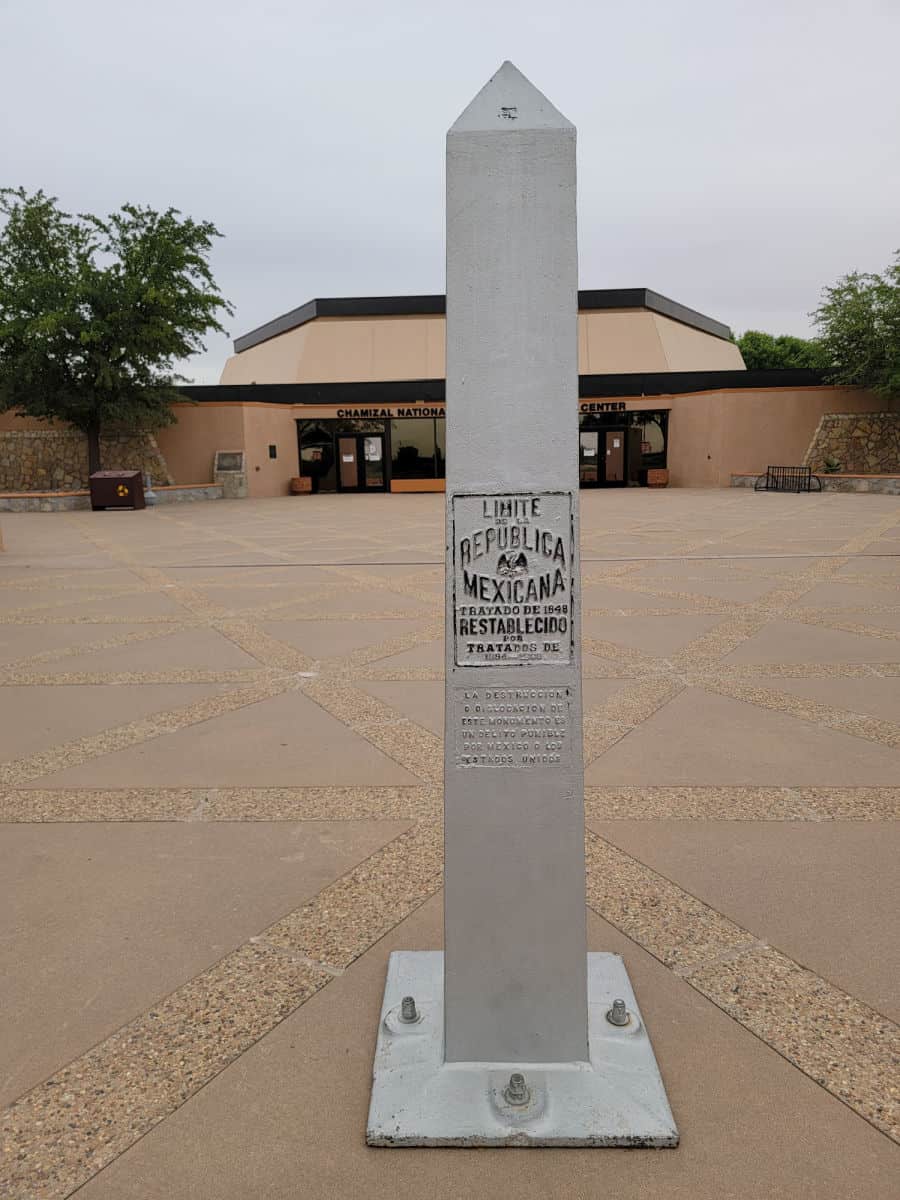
point(615, 1099)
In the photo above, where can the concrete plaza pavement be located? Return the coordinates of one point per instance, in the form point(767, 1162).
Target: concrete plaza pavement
point(220, 805)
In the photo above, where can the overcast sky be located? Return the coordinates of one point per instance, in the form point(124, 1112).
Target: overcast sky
point(735, 156)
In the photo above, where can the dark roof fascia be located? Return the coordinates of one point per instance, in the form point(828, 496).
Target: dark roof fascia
point(413, 306)
point(343, 306)
point(661, 383)
point(432, 391)
point(645, 298)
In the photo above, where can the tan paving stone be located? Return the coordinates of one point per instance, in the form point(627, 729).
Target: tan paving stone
point(135, 732)
point(649, 635)
point(421, 701)
point(838, 594)
point(868, 695)
point(41, 716)
point(703, 739)
point(428, 656)
point(823, 715)
point(135, 606)
point(612, 600)
point(731, 1095)
point(803, 887)
point(20, 643)
point(329, 639)
point(105, 919)
point(834, 1038)
point(791, 641)
point(283, 741)
point(194, 649)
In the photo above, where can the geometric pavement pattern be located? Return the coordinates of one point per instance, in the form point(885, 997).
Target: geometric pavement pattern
point(277, 666)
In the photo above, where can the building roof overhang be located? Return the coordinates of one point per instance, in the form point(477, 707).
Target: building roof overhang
point(414, 306)
point(433, 391)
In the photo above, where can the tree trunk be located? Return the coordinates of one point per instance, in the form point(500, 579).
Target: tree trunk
point(93, 440)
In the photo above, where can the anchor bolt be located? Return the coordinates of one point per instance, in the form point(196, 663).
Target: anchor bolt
point(517, 1091)
point(618, 1014)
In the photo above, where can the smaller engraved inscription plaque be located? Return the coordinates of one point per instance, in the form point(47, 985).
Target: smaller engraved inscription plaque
point(229, 460)
point(511, 726)
point(513, 600)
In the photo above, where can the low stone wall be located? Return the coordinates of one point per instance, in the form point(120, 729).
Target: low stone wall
point(862, 443)
point(187, 493)
point(885, 485)
point(45, 460)
point(75, 501)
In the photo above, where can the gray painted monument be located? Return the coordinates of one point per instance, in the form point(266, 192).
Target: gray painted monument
point(512, 1036)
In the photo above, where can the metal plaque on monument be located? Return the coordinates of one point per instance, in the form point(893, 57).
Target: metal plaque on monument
point(514, 1035)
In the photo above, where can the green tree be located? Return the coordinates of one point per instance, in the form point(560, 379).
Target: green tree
point(859, 323)
point(765, 352)
point(95, 313)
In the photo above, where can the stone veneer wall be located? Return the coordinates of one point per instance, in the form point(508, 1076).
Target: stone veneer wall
point(76, 501)
point(863, 443)
point(49, 460)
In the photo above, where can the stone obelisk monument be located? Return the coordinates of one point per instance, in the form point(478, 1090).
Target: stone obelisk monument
point(515, 982)
point(513, 1036)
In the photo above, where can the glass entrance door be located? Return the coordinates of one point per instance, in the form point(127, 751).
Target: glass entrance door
point(348, 464)
point(615, 456)
point(361, 466)
point(588, 457)
point(372, 445)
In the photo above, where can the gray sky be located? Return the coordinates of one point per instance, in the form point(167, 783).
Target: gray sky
point(736, 155)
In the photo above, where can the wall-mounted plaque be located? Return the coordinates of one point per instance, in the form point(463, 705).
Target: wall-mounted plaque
point(512, 579)
point(229, 460)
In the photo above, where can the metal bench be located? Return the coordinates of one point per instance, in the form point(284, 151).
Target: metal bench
point(788, 479)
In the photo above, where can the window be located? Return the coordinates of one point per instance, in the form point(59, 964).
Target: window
point(415, 453)
point(316, 440)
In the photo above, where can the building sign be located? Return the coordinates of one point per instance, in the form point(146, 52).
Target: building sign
point(512, 579)
point(601, 406)
point(392, 410)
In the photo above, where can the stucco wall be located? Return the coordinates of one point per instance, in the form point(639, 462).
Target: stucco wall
point(866, 444)
point(270, 425)
point(358, 349)
point(713, 434)
point(41, 460)
point(694, 438)
point(345, 350)
point(200, 430)
point(689, 349)
point(614, 341)
point(776, 425)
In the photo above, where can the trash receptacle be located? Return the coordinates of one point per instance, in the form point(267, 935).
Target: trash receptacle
point(117, 489)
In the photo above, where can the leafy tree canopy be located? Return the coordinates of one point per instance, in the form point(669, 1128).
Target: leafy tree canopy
point(766, 352)
point(95, 313)
point(859, 330)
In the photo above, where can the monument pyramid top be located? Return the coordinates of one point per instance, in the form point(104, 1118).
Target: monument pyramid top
point(509, 102)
